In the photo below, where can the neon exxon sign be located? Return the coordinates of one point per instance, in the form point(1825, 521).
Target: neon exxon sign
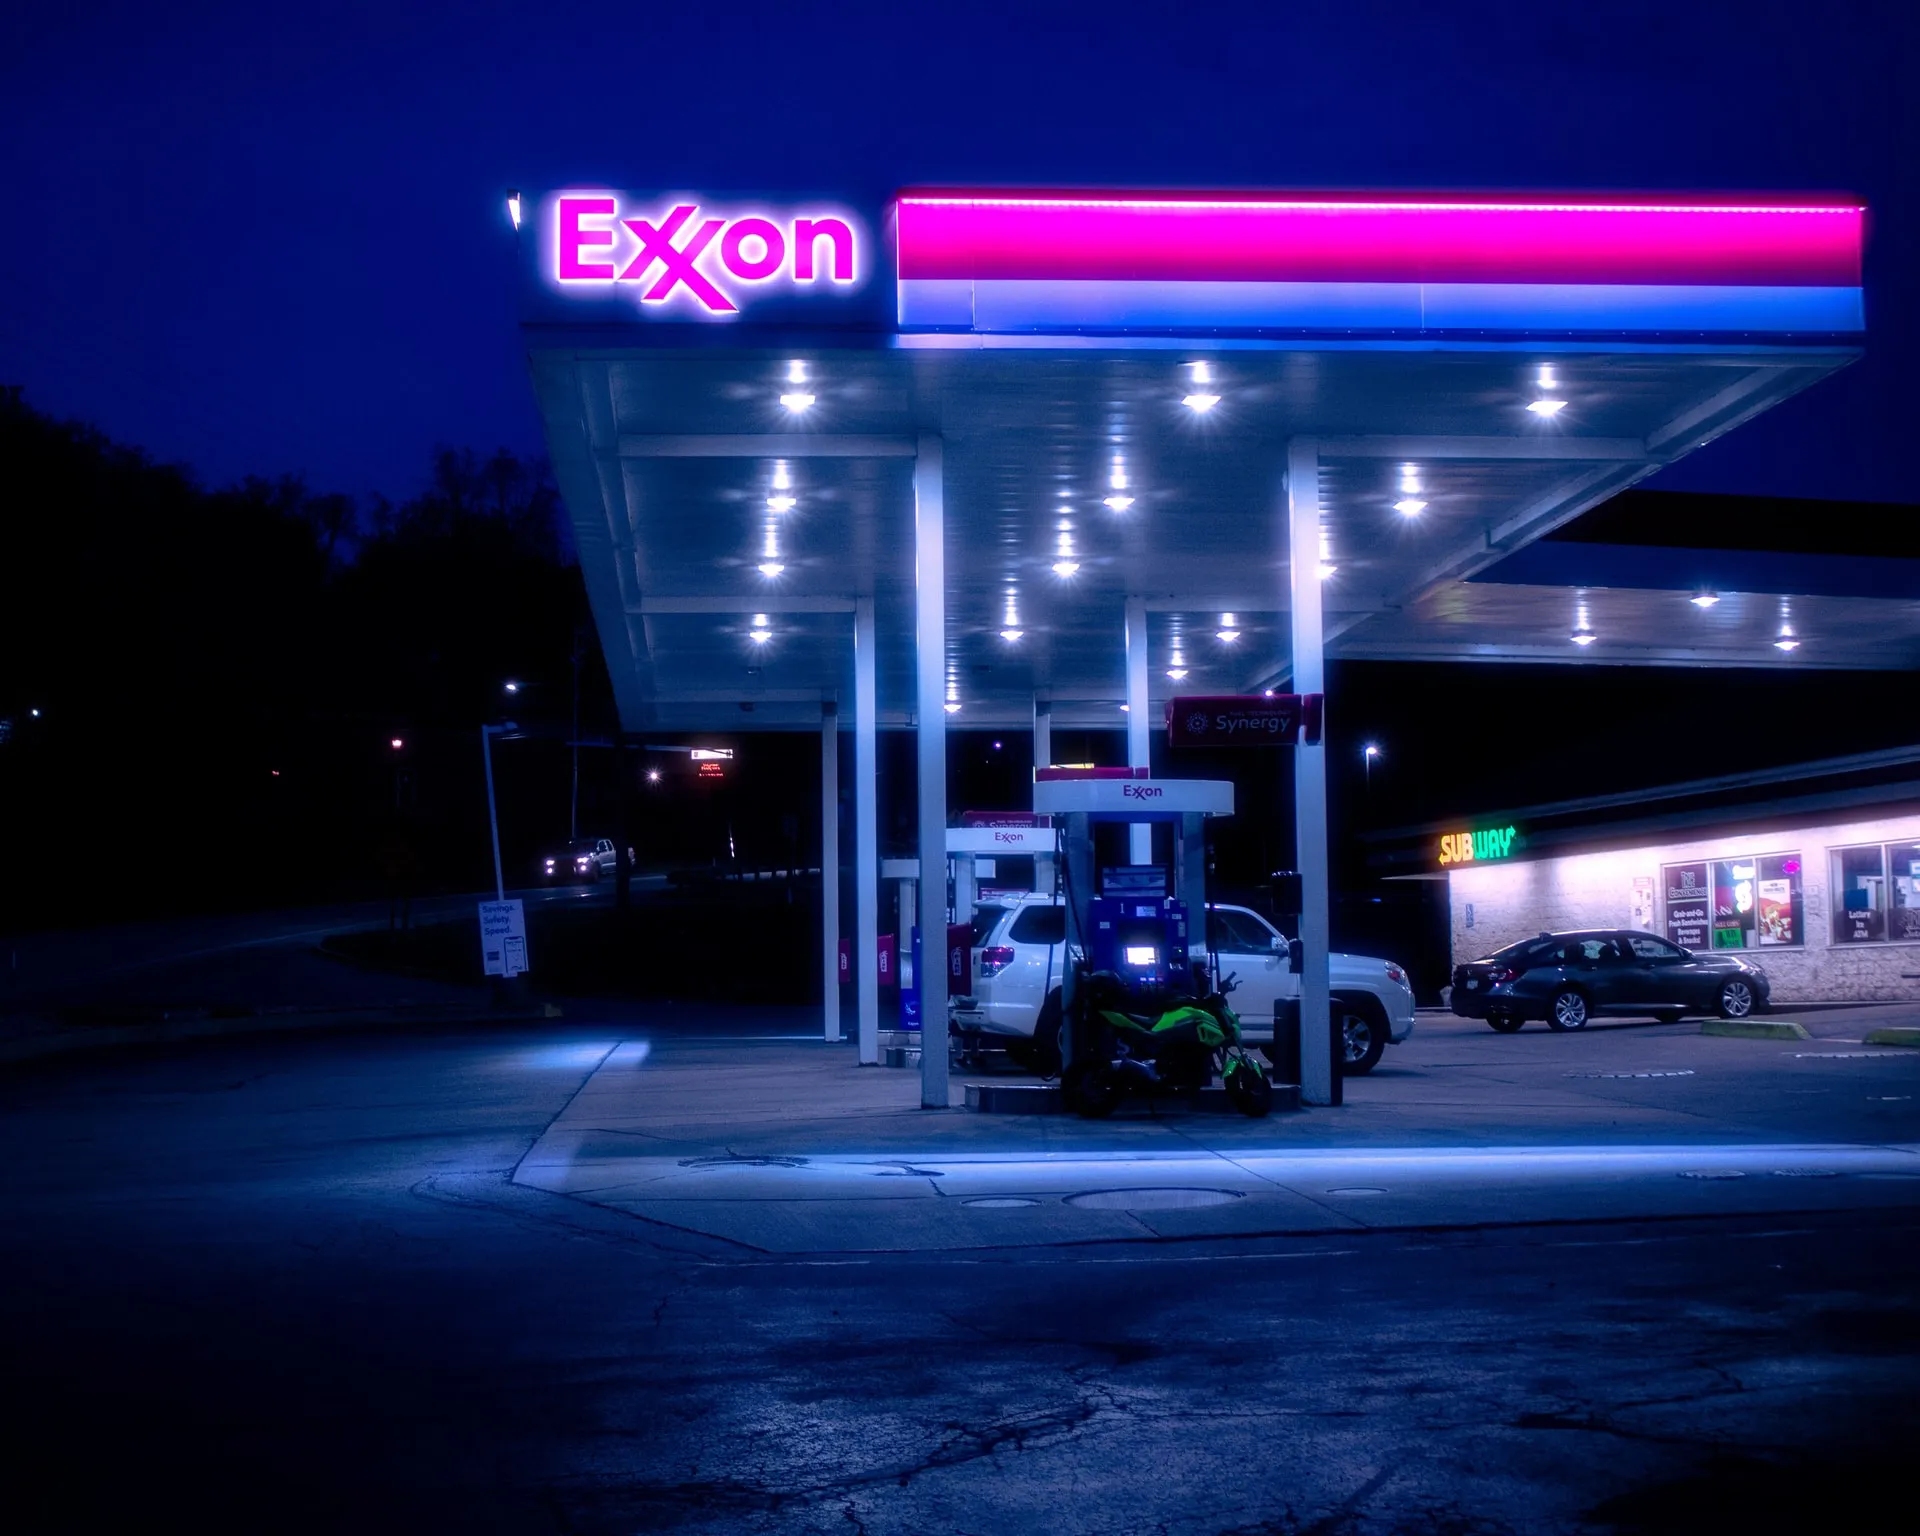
point(700, 260)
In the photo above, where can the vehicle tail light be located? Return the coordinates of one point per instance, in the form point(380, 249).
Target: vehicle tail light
point(1501, 974)
point(995, 959)
point(1394, 973)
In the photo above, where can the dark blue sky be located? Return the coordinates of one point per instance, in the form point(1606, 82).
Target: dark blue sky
point(259, 239)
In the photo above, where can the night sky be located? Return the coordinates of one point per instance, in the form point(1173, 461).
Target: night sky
point(260, 240)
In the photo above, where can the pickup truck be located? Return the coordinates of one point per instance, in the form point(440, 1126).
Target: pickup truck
point(1020, 953)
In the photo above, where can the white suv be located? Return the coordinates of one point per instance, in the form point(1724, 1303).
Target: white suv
point(1020, 953)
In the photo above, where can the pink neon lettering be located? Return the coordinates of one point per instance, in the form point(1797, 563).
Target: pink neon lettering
point(573, 238)
point(657, 245)
point(773, 249)
point(807, 232)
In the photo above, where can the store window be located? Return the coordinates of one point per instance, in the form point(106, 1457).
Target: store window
point(1750, 902)
point(1903, 890)
point(1876, 893)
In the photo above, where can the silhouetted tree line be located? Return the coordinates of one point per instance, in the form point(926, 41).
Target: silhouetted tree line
point(219, 674)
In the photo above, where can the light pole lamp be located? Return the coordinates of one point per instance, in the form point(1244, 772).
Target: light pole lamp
point(1367, 756)
point(487, 733)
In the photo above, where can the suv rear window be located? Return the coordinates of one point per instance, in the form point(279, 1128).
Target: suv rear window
point(1040, 925)
point(984, 917)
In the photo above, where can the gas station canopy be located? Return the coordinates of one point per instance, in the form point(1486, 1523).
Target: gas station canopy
point(736, 393)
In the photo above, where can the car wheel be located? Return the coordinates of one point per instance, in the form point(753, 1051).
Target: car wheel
point(1363, 1036)
point(1044, 1053)
point(1670, 1015)
point(1568, 1010)
point(1736, 998)
point(1506, 1023)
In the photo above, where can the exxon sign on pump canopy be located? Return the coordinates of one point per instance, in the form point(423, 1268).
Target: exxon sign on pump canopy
point(684, 257)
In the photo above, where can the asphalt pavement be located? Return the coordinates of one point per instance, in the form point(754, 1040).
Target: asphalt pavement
point(308, 1285)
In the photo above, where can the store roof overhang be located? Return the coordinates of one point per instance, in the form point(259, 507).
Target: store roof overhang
point(1051, 343)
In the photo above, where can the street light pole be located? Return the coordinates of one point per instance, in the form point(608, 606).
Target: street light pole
point(573, 812)
point(493, 816)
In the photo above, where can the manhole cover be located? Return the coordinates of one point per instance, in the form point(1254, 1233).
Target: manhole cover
point(730, 1161)
point(1713, 1173)
point(1357, 1189)
point(999, 1202)
point(1151, 1199)
point(1677, 1072)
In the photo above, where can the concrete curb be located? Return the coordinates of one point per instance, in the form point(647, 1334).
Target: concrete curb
point(63, 1042)
point(1755, 1029)
point(1893, 1036)
point(1047, 1099)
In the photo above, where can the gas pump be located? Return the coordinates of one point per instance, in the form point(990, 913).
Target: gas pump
point(1131, 922)
point(967, 848)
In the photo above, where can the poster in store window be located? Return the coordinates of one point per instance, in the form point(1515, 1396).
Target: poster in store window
point(1642, 905)
point(1776, 911)
point(1689, 905)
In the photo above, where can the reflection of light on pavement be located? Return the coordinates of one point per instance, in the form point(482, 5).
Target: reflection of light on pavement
point(574, 1056)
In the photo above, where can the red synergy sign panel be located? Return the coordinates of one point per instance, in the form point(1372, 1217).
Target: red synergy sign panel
point(1235, 720)
point(703, 260)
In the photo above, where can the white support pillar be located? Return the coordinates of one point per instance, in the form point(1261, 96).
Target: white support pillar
point(930, 697)
point(1317, 1083)
point(1042, 732)
point(1139, 720)
point(830, 869)
point(866, 839)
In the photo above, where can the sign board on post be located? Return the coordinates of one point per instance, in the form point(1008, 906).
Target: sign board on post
point(1245, 720)
point(503, 938)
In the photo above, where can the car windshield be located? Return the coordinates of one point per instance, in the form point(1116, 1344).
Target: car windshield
point(581, 846)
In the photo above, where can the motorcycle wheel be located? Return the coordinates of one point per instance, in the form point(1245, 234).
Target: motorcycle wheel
point(1092, 1092)
point(1249, 1091)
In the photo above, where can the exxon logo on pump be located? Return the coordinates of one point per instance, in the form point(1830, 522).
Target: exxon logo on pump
point(706, 261)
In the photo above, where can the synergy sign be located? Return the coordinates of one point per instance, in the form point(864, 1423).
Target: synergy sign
point(705, 261)
point(1467, 847)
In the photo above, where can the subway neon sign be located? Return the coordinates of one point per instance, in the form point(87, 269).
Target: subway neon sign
point(1471, 847)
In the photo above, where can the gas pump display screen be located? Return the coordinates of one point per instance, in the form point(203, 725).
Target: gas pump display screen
point(1142, 955)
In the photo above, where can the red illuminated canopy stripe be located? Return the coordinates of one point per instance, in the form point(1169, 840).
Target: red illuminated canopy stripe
point(988, 236)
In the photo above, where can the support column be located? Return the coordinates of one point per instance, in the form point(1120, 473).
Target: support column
point(1318, 1083)
point(866, 840)
point(830, 870)
point(1042, 734)
point(1139, 721)
point(930, 699)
